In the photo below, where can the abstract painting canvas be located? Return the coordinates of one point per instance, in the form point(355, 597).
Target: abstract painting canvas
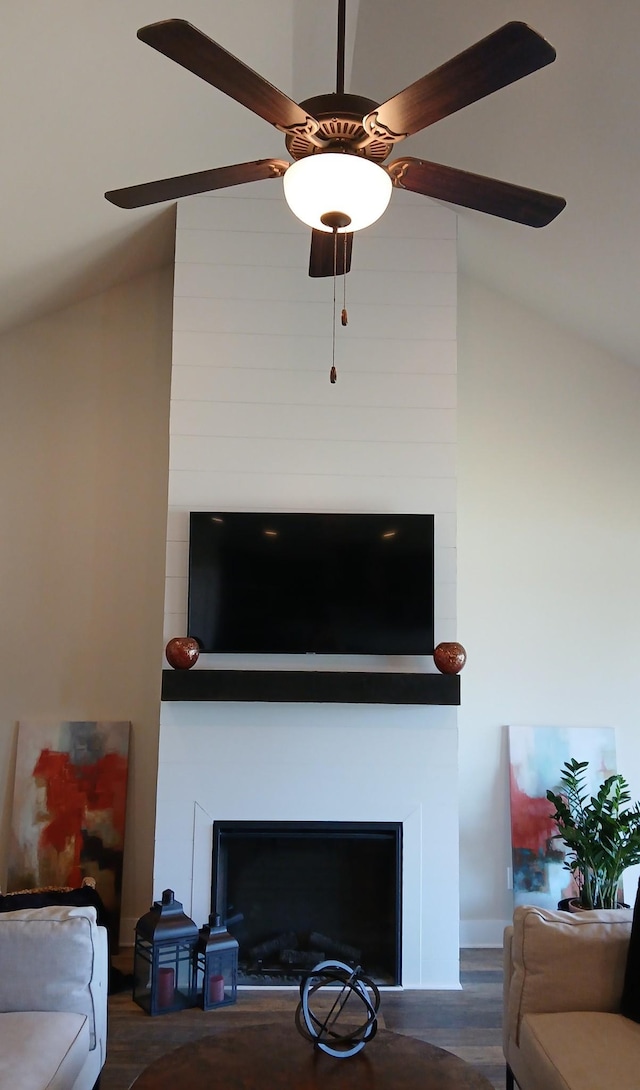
point(536, 757)
point(69, 805)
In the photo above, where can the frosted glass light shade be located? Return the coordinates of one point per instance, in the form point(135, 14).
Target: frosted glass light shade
point(337, 182)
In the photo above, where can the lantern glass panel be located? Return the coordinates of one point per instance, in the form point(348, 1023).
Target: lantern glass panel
point(163, 976)
point(142, 973)
point(218, 977)
point(174, 976)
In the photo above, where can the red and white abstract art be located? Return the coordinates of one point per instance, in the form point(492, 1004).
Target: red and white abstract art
point(69, 807)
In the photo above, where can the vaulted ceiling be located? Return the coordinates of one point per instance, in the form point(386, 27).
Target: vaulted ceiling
point(86, 107)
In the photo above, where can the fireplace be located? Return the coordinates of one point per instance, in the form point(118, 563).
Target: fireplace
point(370, 763)
point(297, 893)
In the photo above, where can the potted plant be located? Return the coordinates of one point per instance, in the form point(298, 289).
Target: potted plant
point(602, 833)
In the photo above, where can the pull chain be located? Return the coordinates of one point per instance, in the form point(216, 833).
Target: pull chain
point(344, 316)
point(334, 221)
point(333, 374)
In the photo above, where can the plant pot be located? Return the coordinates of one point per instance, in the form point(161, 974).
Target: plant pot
point(572, 904)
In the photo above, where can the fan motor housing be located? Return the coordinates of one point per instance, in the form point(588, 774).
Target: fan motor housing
point(340, 117)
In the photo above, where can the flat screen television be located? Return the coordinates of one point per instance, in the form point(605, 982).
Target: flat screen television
point(294, 583)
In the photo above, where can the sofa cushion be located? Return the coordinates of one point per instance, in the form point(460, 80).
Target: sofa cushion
point(47, 961)
point(630, 1003)
point(42, 1050)
point(580, 1050)
point(588, 953)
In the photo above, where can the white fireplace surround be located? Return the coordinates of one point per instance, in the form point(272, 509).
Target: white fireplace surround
point(315, 762)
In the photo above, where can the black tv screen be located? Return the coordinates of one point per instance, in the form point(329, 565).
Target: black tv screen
point(292, 583)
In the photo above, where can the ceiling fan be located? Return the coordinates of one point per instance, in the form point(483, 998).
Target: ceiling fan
point(339, 141)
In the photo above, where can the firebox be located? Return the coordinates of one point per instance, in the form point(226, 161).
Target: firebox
point(297, 893)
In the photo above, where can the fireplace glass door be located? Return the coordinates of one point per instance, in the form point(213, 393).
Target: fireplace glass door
point(297, 893)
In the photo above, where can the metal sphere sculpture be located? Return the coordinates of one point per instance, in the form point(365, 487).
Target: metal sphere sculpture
point(323, 1029)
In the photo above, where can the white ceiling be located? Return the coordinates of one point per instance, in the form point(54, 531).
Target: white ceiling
point(86, 107)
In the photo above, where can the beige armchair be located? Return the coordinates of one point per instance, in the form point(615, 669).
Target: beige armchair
point(563, 979)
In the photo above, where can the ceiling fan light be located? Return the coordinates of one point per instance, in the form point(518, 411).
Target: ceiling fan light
point(337, 182)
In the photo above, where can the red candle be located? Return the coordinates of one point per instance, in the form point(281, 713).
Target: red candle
point(216, 989)
point(166, 988)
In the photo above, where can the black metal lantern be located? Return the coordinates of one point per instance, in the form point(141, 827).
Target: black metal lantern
point(164, 978)
point(217, 965)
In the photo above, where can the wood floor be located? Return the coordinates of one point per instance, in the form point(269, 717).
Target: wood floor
point(467, 1022)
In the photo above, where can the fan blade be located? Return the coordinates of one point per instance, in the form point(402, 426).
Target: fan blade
point(510, 202)
point(513, 51)
point(188, 46)
point(322, 261)
point(185, 185)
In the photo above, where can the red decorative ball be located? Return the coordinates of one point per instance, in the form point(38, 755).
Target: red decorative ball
point(182, 652)
point(450, 657)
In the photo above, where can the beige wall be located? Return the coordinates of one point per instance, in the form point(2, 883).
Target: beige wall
point(84, 405)
point(548, 578)
point(549, 457)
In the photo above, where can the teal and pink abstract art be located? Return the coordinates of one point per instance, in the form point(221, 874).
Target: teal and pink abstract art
point(536, 757)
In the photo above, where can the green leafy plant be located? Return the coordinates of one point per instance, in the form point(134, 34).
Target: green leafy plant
point(602, 833)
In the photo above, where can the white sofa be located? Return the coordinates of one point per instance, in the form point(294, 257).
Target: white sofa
point(53, 999)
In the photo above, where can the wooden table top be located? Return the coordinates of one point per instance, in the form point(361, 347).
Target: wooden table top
point(277, 1057)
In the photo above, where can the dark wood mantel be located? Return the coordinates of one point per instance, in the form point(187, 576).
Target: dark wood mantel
point(311, 686)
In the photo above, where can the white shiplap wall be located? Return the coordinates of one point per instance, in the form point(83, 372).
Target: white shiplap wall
point(256, 424)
